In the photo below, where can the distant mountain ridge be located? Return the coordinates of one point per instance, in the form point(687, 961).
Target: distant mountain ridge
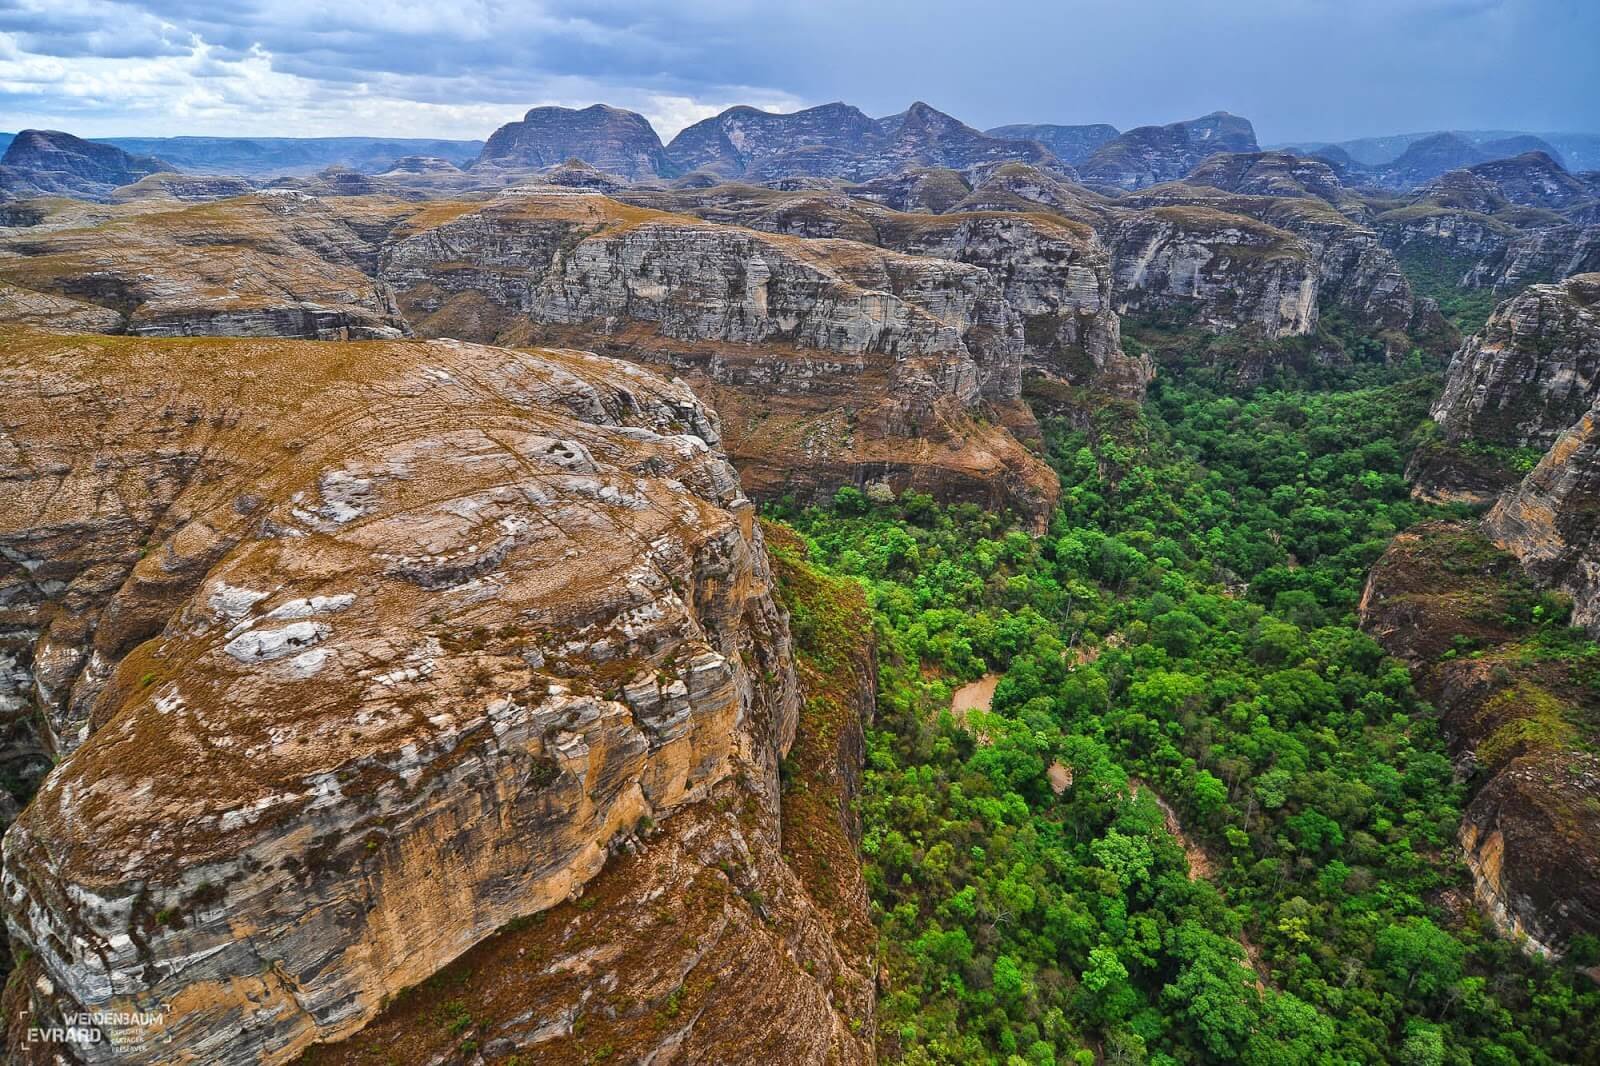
point(1071, 144)
point(263, 156)
point(1149, 155)
point(1575, 151)
point(50, 162)
point(838, 140)
point(609, 138)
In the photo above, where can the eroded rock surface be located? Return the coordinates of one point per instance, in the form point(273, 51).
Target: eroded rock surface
point(709, 939)
point(1551, 520)
point(1520, 724)
point(829, 361)
point(273, 264)
point(1148, 155)
point(1517, 384)
point(361, 652)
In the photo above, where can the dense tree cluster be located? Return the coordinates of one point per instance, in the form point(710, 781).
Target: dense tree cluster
point(1185, 633)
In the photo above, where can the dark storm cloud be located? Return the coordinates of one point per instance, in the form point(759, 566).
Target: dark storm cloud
point(1298, 68)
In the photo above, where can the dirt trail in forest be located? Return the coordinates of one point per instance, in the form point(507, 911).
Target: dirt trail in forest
point(1202, 864)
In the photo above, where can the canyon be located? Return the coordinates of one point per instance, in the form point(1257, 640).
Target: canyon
point(394, 663)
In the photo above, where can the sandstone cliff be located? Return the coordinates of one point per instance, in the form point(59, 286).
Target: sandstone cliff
point(829, 361)
point(1551, 520)
point(1543, 255)
point(1531, 372)
point(277, 264)
point(361, 653)
point(1519, 723)
point(709, 939)
point(1053, 273)
point(1215, 270)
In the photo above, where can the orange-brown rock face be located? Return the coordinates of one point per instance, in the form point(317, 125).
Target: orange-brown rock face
point(1551, 521)
point(830, 361)
point(1520, 722)
point(711, 939)
point(273, 264)
point(361, 652)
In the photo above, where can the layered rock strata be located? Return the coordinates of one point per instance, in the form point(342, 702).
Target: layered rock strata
point(360, 653)
point(830, 361)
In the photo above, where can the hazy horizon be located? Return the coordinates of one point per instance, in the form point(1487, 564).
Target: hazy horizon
point(1299, 69)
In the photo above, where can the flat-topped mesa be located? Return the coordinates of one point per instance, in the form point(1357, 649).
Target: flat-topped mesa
point(830, 362)
point(276, 263)
point(1516, 385)
point(379, 647)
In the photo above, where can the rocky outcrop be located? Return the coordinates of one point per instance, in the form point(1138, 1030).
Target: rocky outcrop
point(1439, 232)
point(926, 137)
point(1019, 187)
point(729, 144)
point(709, 939)
point(1543, 255)
point(922, 191)
point(830, 361)
point(277, 264)
point(1517, 722)
point(1054, 274)
point(45, 162)
point(608, 138)
point(379, 649)
point(1551, 521)
point(1149, 155)
point(1182, 266)
point(1268, 264)
point(839, 141)
point(1511, 389)
point(1268, 174)
point(1070, 144)
point(576, 174)
point(1532, 370)
point(47, 311)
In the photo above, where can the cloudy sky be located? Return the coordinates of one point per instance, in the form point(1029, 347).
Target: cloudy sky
point(459, 68)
